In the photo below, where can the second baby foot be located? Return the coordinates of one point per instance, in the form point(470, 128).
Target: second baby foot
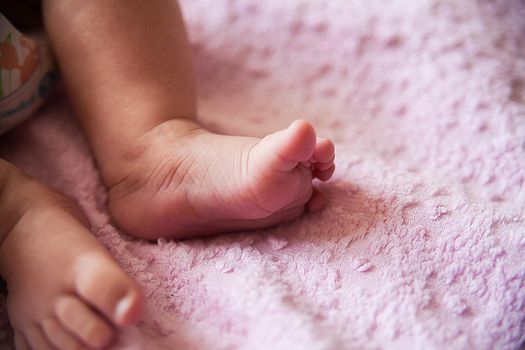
point(180, 180)
point(65, 291)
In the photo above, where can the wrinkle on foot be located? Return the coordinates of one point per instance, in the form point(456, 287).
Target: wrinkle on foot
point(184, 184)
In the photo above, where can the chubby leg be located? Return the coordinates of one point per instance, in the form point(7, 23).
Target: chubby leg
point(64, 289)
point(128, 69)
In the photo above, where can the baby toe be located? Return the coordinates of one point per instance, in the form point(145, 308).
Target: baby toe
point(283, 150)
point(102, 283)
point(59, 337)
point(21, 342)
point(316, 202)
point(36, 339)
point(324, 166)
point(79, 319)
point(324, 151)
point(324, 175)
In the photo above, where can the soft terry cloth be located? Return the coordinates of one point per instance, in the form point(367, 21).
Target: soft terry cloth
point(422, 244)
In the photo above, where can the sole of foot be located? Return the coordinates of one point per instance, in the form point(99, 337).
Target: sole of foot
point(180, 184)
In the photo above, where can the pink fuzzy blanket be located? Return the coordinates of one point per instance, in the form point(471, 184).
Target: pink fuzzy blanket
point(423, 242)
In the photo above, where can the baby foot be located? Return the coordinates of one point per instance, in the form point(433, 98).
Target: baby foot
point(64, 289)
point(179, 183)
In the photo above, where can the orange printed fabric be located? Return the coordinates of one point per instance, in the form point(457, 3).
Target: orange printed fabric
point(25, 75)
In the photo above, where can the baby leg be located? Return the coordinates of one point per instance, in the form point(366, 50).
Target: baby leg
point(128, 69)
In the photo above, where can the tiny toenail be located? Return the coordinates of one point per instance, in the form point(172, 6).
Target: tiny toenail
point(123, 307)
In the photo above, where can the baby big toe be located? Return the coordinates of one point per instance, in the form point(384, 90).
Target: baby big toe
point(286, 148)
point(297, 142)
point(81, 321)
point(108, 289)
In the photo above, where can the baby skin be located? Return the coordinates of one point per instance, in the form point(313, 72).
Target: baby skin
point(129, 78)
point(193, 182)
point(64, 289)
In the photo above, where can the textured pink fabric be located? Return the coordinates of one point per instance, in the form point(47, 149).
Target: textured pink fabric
point(422, 244)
